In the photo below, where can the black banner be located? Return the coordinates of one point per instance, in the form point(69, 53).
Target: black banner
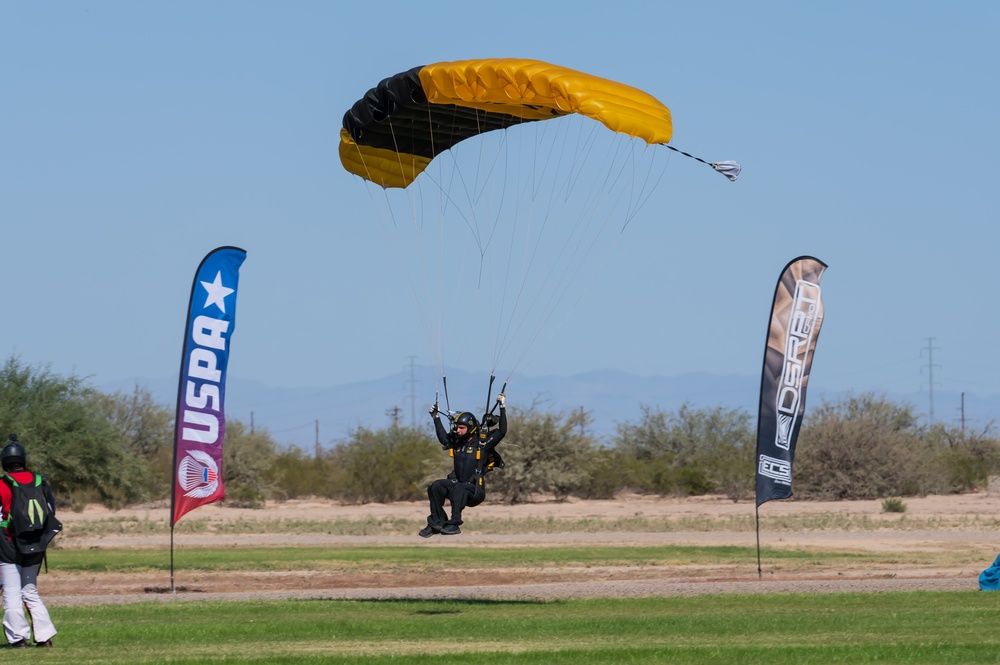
point(796, 317)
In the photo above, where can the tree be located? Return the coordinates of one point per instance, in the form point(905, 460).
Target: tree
point(147, 431)
point(68, 437)
point(246, 458)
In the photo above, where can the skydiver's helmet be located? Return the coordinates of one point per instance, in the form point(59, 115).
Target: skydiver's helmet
point(470, 422)
point(13, 455)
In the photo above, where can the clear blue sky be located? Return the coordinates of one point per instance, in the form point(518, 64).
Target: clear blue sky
point(137, 136)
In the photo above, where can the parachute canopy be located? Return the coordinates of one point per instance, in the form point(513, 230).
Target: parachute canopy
point(392, 133)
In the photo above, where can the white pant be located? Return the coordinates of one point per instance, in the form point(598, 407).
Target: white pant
point(20, 589)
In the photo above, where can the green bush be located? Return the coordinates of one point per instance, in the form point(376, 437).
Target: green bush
point(893, 505)
point(862, 447)
point(68, 438)
point(544, 453)
point(689, 452)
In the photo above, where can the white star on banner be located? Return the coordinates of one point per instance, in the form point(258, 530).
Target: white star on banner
point(217, 292)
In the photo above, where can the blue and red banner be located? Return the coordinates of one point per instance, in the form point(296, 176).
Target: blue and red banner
point(796, 317)
point(200, 425)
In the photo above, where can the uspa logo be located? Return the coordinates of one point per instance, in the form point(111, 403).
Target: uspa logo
point(198, 475)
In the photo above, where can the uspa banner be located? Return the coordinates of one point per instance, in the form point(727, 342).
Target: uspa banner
point(200, 425)
point(796, 317)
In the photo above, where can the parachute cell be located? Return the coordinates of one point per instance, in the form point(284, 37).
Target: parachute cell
point(392, 133)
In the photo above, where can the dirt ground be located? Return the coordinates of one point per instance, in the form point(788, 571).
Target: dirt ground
point(977, 544)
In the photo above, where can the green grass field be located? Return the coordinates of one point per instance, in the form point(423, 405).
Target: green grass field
point(915, 627)
point(777, 629)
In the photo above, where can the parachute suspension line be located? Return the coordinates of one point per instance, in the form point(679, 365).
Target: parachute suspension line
point(580, 297)
point(647, 190)
point(568, 257)
point(729, 169)
point(584, 159)
point(513, 232)
point(403, 247)
point(472, 220)
point(623, 150)
point(368, 173)
point(530, 252)
point(421, 296)
point(495, 216)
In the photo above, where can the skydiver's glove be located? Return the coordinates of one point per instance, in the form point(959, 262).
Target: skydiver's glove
point(433, 411)
point(501, 400)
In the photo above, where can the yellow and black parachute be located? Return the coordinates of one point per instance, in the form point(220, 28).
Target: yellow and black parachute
point(392, 133)
point(502, 234)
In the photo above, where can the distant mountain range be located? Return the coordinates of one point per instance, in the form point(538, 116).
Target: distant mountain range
point(300, 416)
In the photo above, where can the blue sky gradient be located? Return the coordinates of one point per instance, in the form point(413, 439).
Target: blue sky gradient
point(136, 137)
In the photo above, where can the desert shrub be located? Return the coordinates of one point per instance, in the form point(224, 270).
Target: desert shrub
point(294, 474)
point(893, 505)
point(246, 458)
point(689, 451)
point(604, 473)
point(862, 447)
point(544, 453)
point(393, 464)
point(966, 459)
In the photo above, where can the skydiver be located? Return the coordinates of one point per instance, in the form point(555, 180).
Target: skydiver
point(474, 455)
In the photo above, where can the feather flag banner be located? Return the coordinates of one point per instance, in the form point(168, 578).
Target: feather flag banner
point(200, 423)
point(796, 317)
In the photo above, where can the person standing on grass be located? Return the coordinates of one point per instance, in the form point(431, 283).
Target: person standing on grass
point(19, 570)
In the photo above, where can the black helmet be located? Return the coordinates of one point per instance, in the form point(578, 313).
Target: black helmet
point(469, 420)
point(13, 454)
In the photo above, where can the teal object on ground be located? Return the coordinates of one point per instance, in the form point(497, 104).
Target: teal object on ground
point(989, 579)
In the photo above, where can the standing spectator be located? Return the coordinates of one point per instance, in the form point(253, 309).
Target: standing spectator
point(18, 567)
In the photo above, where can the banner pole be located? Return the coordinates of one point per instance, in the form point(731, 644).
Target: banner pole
point(173, 589)
point(756, 512)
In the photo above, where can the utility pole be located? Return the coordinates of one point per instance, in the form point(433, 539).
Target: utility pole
point(319, 450)
point(963, 413)
point(251, 423)
point(394, 414)
point(413, 393)
point(930, 374)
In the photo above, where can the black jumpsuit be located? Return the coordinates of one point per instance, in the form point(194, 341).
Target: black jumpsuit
point(464, 485)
